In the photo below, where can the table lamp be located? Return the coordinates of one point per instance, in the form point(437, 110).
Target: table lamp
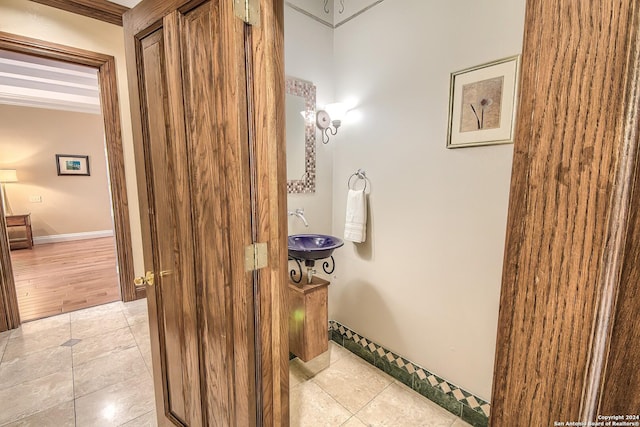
point(7, 175)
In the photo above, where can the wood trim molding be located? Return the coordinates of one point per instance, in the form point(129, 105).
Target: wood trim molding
point(265, 51)
point(9, 314)
point(119, 199)
point(113, 138)
point(615, 284)
point(615, 384)
point(569, 211)
point(101, 10)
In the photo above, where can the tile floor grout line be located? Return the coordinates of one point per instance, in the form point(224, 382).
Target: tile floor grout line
point(135, 340)
point(4, 349)
point(332, 398)
point(363, 406)
point(352, 417)
point(73, 378)
point(374, 398)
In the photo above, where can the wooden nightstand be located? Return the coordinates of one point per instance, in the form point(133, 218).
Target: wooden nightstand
point(23, 220)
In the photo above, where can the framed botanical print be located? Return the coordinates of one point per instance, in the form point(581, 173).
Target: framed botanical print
point(482, 104)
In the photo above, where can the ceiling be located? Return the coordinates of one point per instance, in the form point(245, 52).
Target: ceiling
point(127, 3)
point(43, 83)
point(31, 81)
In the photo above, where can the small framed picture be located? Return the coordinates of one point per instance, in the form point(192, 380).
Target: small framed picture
point(482, 104)
point(69, 164)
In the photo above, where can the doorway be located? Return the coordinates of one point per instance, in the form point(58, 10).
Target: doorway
point(59, 206)
point(105, 66)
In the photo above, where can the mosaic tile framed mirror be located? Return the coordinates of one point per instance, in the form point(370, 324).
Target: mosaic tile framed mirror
point(300, 103)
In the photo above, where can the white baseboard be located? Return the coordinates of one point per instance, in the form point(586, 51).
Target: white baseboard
point(41, 240)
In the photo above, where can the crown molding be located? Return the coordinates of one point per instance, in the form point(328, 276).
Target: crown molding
point(101, 10)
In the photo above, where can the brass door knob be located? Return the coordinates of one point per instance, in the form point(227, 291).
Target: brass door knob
point(144, 280)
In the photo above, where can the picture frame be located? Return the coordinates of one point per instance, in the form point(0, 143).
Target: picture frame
point(71, 164)
point(482, 104)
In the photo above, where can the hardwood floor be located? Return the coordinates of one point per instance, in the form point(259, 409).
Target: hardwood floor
point(60, 277)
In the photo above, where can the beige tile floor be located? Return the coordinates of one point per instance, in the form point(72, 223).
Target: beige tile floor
point(93, 368)
point(86, 368)
point(340, 389)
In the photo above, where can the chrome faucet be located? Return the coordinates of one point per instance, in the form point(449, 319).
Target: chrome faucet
point(300, 214)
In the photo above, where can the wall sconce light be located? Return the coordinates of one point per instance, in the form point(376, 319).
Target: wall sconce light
point(332, 115)
point(7, 175)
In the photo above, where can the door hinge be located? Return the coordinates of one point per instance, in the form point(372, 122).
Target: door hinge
point(247, 10)
point(255, 256)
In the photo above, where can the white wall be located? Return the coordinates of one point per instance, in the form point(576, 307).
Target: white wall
point(308, 48)
point(69, 204)
point(34, 20)
point(426, 283)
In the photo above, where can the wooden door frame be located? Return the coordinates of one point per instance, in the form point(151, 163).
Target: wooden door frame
point(265, 43)
point(568, 324)
point(10, 316)
point(106, 67)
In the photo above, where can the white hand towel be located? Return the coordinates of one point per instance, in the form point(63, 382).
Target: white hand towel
point(356, 221)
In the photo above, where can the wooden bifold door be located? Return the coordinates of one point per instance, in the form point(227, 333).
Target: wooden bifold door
point(218, 359)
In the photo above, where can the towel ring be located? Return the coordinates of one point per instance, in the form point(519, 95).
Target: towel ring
point(360, 175)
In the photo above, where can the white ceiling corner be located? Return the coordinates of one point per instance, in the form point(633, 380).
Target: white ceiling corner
point(332, 12)
point(126, 3)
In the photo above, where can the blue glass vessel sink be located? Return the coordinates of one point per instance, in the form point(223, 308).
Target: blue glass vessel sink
point(309, 247)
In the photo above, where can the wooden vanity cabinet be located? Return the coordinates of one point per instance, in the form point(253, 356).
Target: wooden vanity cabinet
point(308, 318)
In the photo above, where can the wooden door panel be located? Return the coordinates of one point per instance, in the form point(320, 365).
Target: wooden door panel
point(213, 69)
point(170, 235)
point(210, 185)
point(210, 222)
point(193, 146)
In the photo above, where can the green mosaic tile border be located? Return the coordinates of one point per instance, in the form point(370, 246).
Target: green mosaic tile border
point(454, 399)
